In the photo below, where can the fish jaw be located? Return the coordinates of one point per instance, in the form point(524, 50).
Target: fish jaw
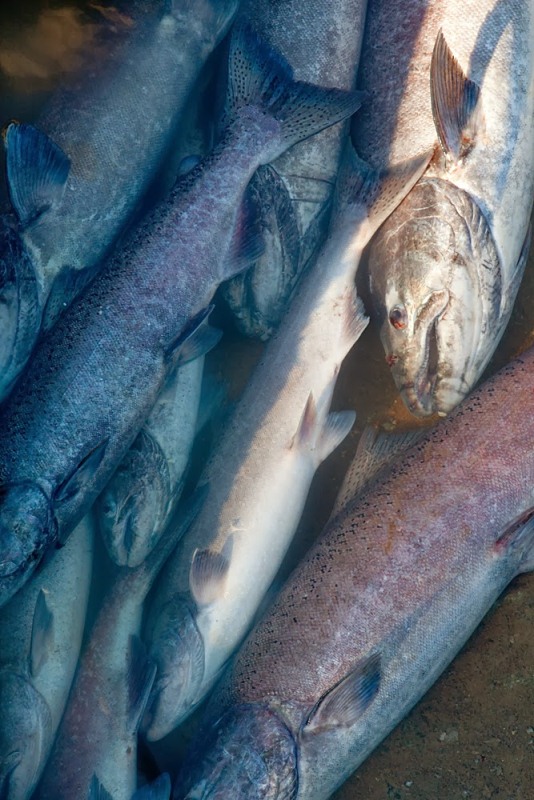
point(435, 281)
point(178, 650)
point(27, 527)
point(25, 734)
point(249, 754)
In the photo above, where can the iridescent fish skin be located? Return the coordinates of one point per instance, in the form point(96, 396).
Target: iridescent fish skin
point(446, 266)
point(40, 638)
point(295, 192)
point(96, 375)
point(378, 608)
point(126, 98)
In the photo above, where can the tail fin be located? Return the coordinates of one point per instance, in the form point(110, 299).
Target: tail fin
point(260, 76)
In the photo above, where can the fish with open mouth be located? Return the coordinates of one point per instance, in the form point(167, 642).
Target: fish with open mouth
point(445, 268)
point(380, 605)
point(96, 375)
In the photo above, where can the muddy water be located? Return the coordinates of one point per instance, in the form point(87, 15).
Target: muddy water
point(472, 736)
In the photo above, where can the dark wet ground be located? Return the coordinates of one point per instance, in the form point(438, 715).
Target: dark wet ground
point(472, 736)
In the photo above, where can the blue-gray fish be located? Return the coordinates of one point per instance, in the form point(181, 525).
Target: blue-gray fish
point(76, 179)
point(137, 503)
point(321, 40)
point(40, 639)
point(260, 473)
point(380, 605)
point(96, 375)
point(446, 266)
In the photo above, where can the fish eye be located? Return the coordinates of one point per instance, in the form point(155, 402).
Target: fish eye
point(398, 317)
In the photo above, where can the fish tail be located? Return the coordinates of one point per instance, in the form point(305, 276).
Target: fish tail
point(259, 76)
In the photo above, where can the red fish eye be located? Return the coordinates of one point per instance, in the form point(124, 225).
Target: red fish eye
point(398, 317)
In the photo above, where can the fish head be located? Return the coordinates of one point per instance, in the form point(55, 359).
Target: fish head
point(25, 734)
point(134, 506)
point(247, 754)
point(27, 528)
point(435, 286)
point(177, 647)
point(20, 313)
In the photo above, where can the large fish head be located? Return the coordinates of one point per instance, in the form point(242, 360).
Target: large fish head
point(27, 527)
point(435, 282)
point(25, 735)
point(248, 754)
point(20, 313)
point(134, 506)
point(177, 647)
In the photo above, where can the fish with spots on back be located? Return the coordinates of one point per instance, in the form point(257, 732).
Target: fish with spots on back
point(72, 189)
point(446, 266)
point(96, 375)
point(259, 476)
point(40, 639)
point(378, 608)
point(295, 192)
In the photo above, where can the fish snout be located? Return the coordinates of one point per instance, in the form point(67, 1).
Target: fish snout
point(247, 754)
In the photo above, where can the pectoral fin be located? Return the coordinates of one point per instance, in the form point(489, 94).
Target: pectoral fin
point(37, 171)
point(97, 791)
point(208, 573)
point(81, 475)
point(141, 675)
point(42, 638)
point(455, 101)
point(343, 705)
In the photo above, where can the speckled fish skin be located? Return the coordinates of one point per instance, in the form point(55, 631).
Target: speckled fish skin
point(38, 655)
point(127, 101)
point(260, 474)
point(446, 266)
point(399, 580)
point(95, 377)
point(297, 195)
point(97, 738)
point(137, 503)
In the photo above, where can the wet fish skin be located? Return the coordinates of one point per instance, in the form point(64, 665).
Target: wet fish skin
point(296, 191)
point(128, 100)
point(96, 375)
point(446, 266)
point(260, 474)
point(137, 503)
point(40, 639)
point(96, 744)
point(380, 605)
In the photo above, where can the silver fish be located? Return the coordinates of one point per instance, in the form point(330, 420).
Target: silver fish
point(378, 608)
point(95, 377)
point(137, 503)
point(95, 751)
point(261, 472)
point(446, 266)
point(71, 185)
point(40, 639)
point(295, 192)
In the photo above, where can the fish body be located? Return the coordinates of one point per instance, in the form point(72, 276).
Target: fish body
point(40, 639)
point(96, 744)
point(445, 268)
point(96, 375)
point(295, 192)
point(379, 606)
point(126, 99)
point(136, 504)
point(261, 472)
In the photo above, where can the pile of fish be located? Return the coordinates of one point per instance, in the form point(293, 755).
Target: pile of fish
point(285, 152)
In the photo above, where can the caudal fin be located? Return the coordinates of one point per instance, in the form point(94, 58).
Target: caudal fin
point(259, 76)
